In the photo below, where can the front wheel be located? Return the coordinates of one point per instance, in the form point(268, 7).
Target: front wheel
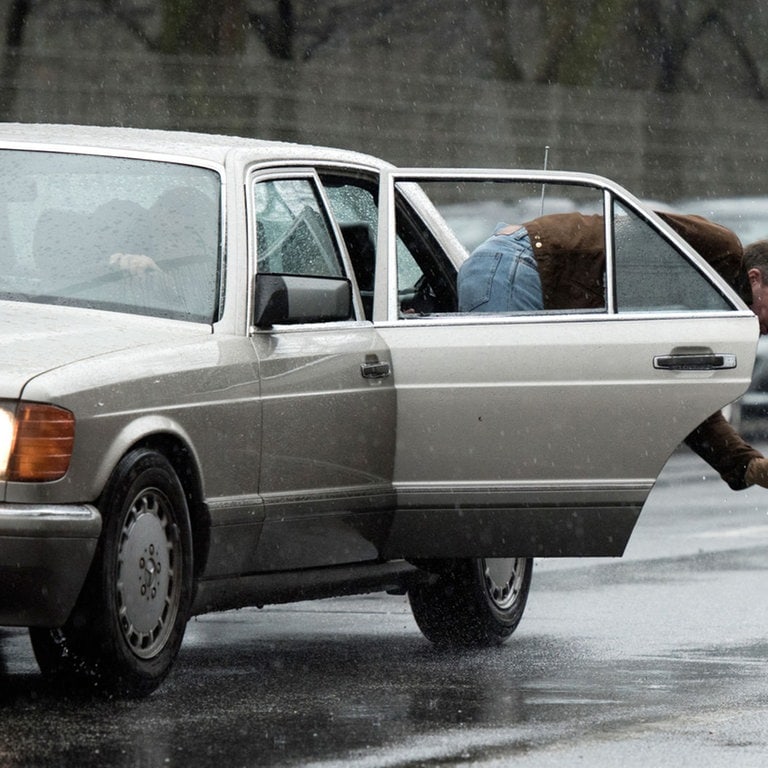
point(129, 622)
point(473, 601)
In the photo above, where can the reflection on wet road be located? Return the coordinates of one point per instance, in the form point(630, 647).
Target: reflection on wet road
point(637, 660)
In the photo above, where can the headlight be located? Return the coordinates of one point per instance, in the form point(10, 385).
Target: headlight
point(36, 442)
point(7, 434)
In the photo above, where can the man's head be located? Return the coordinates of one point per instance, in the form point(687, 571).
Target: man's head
point(756, 269)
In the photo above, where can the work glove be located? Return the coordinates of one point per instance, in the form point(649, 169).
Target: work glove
point(757, 472)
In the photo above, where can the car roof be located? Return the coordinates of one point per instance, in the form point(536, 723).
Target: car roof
point(210, 148)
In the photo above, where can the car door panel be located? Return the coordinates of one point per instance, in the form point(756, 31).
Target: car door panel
point(542, 435)
point(328, 401)
point(549, 416)
point(327, 448)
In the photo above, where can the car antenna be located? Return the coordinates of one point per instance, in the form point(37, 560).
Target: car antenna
point(544, 186)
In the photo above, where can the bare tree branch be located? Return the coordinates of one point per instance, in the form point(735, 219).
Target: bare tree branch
point(560, 24)
point(497, 22)
point(716, 18)
point(680, 36)
point(277, 30)
point(129, 21)
point(17, 18)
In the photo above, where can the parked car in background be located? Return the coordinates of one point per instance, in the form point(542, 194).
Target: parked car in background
point(232, 373)
point(749, 414)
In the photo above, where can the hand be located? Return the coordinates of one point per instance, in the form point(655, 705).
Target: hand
point(133, 263)
point(757, 472)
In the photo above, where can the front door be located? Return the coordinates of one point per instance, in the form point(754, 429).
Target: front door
point(328, 399)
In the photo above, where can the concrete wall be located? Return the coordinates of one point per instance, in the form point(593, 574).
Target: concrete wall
point(660, 147)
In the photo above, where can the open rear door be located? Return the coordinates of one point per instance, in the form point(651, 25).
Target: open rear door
point(542, 433)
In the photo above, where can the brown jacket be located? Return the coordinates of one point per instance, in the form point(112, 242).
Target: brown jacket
point(569, 251)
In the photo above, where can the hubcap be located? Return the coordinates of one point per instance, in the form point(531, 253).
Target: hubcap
point(148, 586)
point(503, 579)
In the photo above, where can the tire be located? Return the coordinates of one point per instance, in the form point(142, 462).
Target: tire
point(129, 621)
point(474, 602)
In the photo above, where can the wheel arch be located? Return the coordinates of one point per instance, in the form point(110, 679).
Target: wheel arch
point(125, 632)
point(184, 462)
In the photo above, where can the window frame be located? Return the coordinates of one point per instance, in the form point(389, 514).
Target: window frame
point(392, 182)
point(310, 174)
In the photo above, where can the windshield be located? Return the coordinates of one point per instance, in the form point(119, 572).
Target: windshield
point(111, 233)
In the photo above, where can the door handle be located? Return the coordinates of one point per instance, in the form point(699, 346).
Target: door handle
point(375, 369)
point(695, 362)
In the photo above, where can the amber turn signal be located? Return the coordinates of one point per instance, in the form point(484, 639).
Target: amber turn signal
point(42, 448)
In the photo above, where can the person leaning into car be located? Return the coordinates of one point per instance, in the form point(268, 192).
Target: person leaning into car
point(557, 262)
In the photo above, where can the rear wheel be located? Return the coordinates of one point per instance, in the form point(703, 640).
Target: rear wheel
point(129, 622)
point(472, 602)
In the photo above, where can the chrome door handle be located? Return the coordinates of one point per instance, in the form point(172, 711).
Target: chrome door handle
point(375, 369)
point(695, 362)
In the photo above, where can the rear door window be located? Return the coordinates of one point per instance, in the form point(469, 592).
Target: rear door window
point(591, 251)
point(652, 275)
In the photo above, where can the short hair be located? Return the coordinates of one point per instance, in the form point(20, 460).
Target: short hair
point(756, 257)
point(742, 285)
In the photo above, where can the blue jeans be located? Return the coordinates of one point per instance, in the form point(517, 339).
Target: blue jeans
point(501, 276)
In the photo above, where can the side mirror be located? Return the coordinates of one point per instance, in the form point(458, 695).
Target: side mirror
point(292, 299)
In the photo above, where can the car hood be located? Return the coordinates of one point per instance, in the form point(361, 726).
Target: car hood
point(36, 338)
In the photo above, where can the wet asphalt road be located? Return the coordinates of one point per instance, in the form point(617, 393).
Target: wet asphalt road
point(660, 657)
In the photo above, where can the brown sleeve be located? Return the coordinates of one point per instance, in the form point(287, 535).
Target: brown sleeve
point(718, 443)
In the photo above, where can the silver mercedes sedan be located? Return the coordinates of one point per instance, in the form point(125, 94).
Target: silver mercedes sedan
point(233, 372)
